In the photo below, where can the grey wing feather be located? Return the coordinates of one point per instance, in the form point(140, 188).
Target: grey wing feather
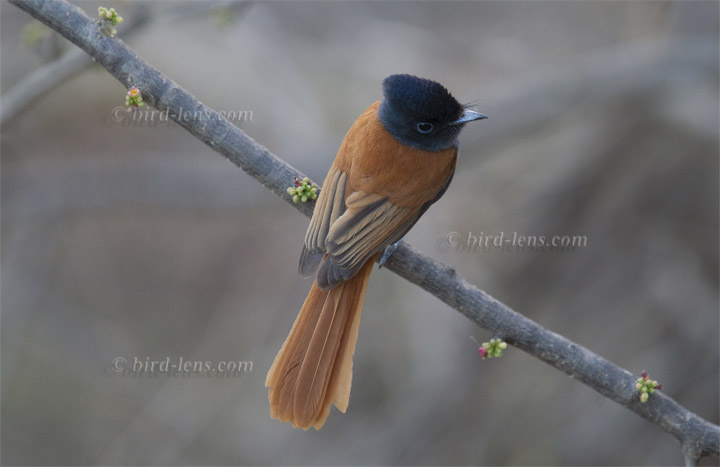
point(369, 224)
point(330, 205)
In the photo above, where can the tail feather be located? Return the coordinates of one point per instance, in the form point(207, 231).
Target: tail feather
point(341, 379)
point(317, 364)
point(313, 369)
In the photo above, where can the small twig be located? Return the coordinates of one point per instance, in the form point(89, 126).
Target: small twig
point(697, 436)
point(47, 77)
point(44, 79)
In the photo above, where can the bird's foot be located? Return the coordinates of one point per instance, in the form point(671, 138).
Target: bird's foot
point(389, 250)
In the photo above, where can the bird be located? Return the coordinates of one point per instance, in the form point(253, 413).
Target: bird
point(396, 160)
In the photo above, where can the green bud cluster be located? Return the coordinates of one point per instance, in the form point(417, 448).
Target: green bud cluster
point(646, 386)
point(494, 348)
point(110, 15)
point(110, 19)
point(303, 190)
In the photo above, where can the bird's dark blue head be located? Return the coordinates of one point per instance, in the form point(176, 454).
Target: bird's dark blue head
point(422, 114)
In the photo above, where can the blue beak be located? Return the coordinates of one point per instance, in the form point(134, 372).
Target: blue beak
point(469, 116)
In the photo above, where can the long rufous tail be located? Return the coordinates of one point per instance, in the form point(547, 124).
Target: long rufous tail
point(313, 369)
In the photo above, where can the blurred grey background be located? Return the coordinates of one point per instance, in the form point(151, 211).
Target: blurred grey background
point(121, 241)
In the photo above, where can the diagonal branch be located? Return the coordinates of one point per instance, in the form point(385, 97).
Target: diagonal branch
point(697, 436)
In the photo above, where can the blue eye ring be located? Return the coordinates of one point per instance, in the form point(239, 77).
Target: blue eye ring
point(424, 127)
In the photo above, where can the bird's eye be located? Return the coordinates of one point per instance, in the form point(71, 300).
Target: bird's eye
point(424, 127)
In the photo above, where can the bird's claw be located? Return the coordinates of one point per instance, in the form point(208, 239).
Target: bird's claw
point(389, 250)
